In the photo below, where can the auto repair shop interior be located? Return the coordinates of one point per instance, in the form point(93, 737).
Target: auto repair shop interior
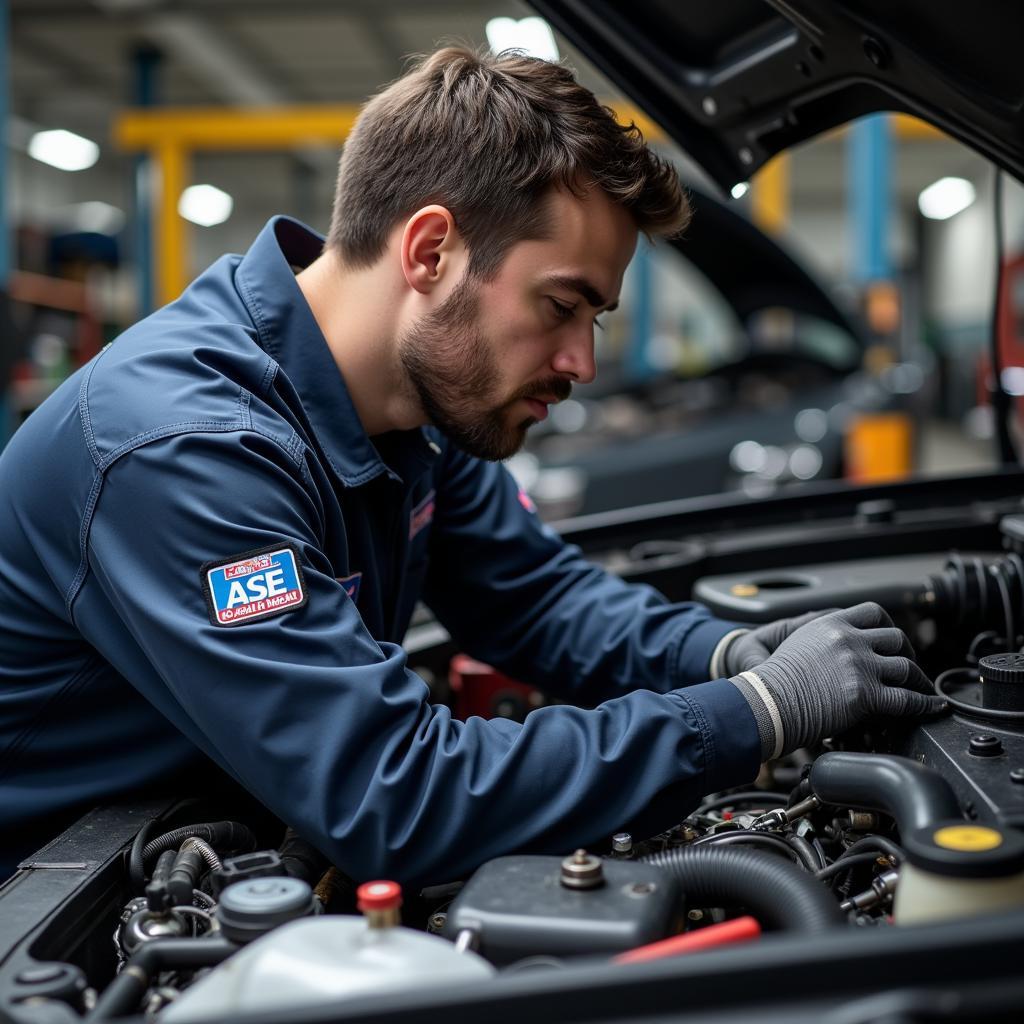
point(651, 649)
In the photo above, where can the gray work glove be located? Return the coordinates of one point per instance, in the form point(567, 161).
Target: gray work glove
point(745, 649)
point(831, 673)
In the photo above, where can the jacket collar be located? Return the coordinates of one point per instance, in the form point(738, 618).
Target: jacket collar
point(289, 333)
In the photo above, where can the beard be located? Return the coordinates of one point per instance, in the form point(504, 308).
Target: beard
point(453, 371)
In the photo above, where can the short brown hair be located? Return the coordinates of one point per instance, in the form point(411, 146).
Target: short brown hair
point(487, 136)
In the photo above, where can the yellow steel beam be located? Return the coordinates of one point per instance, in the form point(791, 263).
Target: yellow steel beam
point(264, 127)
point(234, 128)
point(170, 243)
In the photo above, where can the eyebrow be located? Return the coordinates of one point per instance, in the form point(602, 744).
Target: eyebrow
point(583, 287)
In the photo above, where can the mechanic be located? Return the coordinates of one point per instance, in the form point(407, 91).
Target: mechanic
point(212, 536)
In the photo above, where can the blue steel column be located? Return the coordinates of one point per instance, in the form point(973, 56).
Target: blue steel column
point(638, 363)
point(868, 198)
point(147, 65)
point(5, 226)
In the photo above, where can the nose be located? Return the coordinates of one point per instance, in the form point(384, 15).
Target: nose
point(575, 356)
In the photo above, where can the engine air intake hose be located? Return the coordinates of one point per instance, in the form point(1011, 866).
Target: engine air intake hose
point(778, 893)
point(914, 795)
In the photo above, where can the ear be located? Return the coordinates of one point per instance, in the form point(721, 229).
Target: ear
point(431, 248)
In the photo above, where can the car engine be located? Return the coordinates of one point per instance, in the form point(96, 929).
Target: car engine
point(890, 830)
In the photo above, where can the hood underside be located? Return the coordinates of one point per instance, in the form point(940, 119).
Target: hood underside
point(735, 83)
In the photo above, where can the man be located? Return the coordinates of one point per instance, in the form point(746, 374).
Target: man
point(213, 536)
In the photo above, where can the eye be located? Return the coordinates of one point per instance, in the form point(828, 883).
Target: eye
point(562, 311)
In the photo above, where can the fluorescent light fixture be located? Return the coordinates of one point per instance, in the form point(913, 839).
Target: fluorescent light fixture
point(205, 205)
point(531, 35)
point(945, 198)
point(740, 189)
point(63, 149)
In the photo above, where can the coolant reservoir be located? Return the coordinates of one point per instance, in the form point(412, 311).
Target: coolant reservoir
point(320, 960)
point(958, 870)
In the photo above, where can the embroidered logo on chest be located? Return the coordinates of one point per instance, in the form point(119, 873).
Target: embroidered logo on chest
point(422, 514)
point(254, 585)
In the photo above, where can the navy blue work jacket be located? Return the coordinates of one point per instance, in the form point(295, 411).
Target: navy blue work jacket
point(201, 550)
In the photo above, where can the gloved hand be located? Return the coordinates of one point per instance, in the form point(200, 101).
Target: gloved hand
point(831, 673)
point(745, 649)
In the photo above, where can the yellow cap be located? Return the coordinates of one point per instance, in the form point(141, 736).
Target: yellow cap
point(967, 838)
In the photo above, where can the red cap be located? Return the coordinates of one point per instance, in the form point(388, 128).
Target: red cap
point(378, 896)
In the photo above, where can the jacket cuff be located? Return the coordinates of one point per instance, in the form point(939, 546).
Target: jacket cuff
point(731, 740)
point(696, 648)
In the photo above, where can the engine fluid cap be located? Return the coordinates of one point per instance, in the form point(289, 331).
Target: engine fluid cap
point(958, 850)
point(380, 895)
point(1002, 681)
point(249, 909)
point(968, 838)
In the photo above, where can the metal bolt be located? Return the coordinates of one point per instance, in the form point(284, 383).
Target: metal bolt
point(709, 106)
point(986, 745)
point(1017, 775)
point(863, 821)
point(746, 156)
point(695, 915)
point(437, 921)
point(582, 871)
point(622, 842)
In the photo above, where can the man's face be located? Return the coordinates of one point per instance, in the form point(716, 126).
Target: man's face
point(488, 361)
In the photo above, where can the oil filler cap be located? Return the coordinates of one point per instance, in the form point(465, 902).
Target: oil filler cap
point(1002, 681)
point(956, 849)
point(249, 909)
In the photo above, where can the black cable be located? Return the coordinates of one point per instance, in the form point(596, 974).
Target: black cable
point(820, 851)
point(892, 850)
point(228, 835)
point(845, 864)
point(1001, 403)
point(745, 838)
point(804, 851)
point(970, 709)
point(136, 864)
point(750, 796)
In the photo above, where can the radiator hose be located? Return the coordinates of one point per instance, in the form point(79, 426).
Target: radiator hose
point(778, 893)
point(914, 795)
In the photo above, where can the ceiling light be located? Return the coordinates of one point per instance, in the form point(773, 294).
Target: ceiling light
point(531, 35)
point(92, 216)
point(63, 149)
point(945, 198)
point(205, 205)
point(740, 189)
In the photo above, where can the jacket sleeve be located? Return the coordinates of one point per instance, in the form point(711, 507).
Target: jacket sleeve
point(516, 596)
point(328, 728)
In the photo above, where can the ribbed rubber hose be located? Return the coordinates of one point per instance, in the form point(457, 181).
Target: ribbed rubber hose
point(228, 835)
point(778, 893)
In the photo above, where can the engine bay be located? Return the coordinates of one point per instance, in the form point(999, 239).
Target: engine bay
point(883, 871)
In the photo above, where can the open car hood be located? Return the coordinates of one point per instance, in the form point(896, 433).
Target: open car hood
point(735, 83)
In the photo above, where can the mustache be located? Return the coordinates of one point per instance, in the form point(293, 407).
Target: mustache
point(554, 387)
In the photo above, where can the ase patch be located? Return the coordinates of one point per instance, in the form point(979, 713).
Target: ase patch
point(253, 585)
